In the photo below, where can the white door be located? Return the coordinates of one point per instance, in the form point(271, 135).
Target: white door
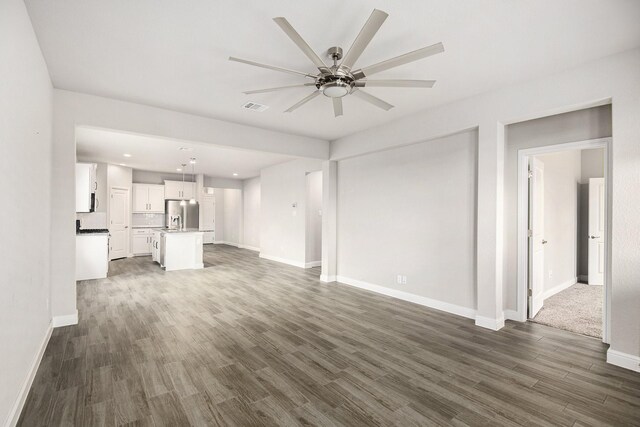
point(156, 198)
point(536, 236)
point(118, 223)
point(208, 209)
point(596, 231)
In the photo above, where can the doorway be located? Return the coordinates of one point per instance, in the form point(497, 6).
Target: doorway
point(118, 222)
point(564, 236)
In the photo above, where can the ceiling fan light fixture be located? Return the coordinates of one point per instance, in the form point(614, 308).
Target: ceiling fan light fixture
point(335, 89)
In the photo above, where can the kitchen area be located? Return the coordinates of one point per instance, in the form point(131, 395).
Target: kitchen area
point(123, 212)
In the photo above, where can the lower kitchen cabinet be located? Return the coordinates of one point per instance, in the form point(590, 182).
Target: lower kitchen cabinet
point(141, 241)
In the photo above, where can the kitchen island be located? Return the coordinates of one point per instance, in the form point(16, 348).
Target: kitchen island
point(177, 249)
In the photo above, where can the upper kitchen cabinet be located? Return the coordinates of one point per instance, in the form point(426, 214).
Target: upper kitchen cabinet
point(179, 190)
point(148, 198)
point(86, 186)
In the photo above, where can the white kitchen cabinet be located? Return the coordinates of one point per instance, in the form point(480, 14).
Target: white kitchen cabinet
point(155, 245)
point(92, 256)
point(141, 241)
point(177, 190)
point(148, 198)
point(86, 185)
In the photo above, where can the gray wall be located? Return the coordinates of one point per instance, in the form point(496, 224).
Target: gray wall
point(412, 211)
point(282, 226)
point(25, 180)
point(569, 127)
point(158, 178)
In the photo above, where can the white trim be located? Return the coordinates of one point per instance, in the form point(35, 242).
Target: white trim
point(313, 264)
point(559, 288)
point(583, 278)
point(282, 260)
point(251, 248)
point(523, 208)
point(511, 315)
point(69, 319)
point(489, 323)
point(624, 360)
point(327, 279)
point(406, 296)
point(16, 410)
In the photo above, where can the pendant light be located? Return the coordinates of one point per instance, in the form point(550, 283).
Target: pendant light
point(192, 201)
point(183, 202)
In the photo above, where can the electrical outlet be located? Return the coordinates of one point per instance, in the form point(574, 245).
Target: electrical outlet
point(398, 279)
point(550, 274)
point(404, 280)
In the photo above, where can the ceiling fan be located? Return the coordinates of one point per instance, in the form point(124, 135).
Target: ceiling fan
point(341, 79)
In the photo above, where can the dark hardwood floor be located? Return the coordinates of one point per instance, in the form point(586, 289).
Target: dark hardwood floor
point(250, 342)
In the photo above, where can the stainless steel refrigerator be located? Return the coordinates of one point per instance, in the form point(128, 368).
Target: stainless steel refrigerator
point(176, 216)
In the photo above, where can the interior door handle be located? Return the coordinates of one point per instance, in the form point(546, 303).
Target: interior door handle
point(544, 242)
point(594, 237)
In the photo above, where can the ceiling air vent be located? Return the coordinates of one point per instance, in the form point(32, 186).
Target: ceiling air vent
point(254, 106)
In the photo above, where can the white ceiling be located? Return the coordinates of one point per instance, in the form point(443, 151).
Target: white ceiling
point(164, 155)
point(174, 54)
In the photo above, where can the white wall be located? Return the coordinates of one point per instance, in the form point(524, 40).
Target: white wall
point(562, 173)
point(157, 178)
point(577, 125)
point(232, 217)
point(313, 253)
point(282, 226)
point(612, 79)
point(411, 211)
point(251, 196)
point(25, 169)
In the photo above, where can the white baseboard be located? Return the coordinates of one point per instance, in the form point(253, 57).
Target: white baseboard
point(327, 279)
point(69, 319)
point(513, 315)
point(224, 242)
point(251, 248)
point(313, 264)
point(559, 288)
point(624, 360)
point(16, 410)
point(406, 296)
point(490, 323)
point(283, 260)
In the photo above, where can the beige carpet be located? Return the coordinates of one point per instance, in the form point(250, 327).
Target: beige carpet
point(576, 309)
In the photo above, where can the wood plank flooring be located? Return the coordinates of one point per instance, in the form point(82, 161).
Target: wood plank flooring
point(248, 342)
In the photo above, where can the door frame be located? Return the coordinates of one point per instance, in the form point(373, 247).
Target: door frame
point(523, 223)
point(128, 226)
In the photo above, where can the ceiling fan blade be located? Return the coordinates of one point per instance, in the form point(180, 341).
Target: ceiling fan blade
point(271, 67)
point(371, 99)
point(304, 47)
point(273, 89)
point(399, 60)
point(395, 83)
point(337, 106)
point(363, 39)
point(302, 101)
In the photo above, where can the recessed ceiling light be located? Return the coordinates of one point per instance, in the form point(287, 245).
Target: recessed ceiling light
point(179, 169)
point(127, 155)
point(192, 161)
point(122, 164)
point(235, 174)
